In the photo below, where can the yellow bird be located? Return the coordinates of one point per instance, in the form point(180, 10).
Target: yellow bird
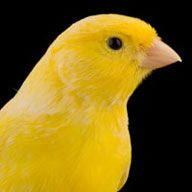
point(66, 128)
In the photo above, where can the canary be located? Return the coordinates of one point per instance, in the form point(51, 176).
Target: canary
point(65, 130)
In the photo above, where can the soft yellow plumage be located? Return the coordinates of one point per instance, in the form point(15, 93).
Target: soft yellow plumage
point(66, 128)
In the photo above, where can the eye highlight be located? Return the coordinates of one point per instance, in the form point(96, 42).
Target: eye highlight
point(114, 43)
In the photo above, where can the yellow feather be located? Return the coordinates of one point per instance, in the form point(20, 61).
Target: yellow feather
point(66, 128)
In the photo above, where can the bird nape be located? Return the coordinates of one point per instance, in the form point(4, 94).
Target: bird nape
point(66, 128)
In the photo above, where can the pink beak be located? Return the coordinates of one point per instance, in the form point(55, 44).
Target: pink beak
point(159, 55)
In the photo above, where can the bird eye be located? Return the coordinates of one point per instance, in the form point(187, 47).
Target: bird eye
point(114, 43)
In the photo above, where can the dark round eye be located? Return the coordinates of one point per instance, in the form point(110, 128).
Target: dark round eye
point(115, 43)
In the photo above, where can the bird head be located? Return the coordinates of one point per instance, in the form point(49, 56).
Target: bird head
point(107, 56)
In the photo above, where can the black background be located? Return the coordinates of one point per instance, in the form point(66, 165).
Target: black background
point(158, 110)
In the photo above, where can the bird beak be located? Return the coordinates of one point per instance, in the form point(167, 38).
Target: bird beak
point(159, 55)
